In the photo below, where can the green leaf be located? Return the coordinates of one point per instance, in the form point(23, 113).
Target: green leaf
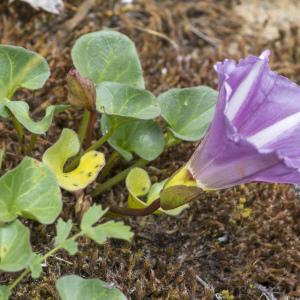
point(73, 287)
point(155, 191)
point(138, 182)
point(126, 101)
point(4, 292)
point(188, 111)
point(15, 247)
point(4, 112)
point(20, 110)
point(2, 154)
point(111, 229)
point(102, 232)
point(108, 56)
point(30, 190)
point(92, 216)
point(143, 137)
point(66, 147)
point(27, 69)
point(71, 246)
point(63, 230)
point(20, 68)
point(35, 265)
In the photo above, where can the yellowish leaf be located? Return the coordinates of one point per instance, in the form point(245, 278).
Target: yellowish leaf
point(66, 147)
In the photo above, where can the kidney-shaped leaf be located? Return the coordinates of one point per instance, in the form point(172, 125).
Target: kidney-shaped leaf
point(66, 147)
point(20, 110)
point(20, 68)
point(73, 287)
point(15, 247)
point(4, 292)
point(126, 101)
point(143, 137)
point(30, 190)
point(108, 56)
point(138, 182)
point(188, 111)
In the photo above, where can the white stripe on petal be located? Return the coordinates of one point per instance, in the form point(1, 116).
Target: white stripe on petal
point(243, 90)
point(272, 132)
point(265, 54)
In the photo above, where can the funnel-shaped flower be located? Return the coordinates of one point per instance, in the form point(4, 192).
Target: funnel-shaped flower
point(255, 134)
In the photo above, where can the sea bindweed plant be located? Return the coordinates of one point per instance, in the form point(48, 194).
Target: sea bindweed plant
point(252, 122)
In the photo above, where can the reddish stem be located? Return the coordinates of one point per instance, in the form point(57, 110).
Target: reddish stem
point(90, 128)
point(136, 212)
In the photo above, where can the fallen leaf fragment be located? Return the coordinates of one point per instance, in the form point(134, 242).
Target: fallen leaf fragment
point(52, 6)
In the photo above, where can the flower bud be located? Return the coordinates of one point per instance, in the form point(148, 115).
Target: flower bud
point(81, 91)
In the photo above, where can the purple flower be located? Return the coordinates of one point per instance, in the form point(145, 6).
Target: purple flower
point(255, 134)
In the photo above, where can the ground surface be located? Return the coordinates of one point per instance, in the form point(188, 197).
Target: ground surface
point(216, 245)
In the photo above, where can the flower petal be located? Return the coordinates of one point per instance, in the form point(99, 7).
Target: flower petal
point(255, 134)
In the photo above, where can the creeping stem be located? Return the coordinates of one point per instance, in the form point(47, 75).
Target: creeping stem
point(136, 212)
point(43, 258)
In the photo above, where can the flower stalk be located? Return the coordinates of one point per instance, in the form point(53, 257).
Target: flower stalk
point(83, 126)
point(90, 128)
point(135, 212)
